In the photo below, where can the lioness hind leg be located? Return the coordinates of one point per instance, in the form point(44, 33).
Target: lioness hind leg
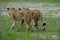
point(29, 26)
point(22, 21)
point(36, 24)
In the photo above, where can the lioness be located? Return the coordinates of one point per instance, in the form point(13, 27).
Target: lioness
point(16, 16)
point(36, 16)
point(26, 16)
point(21, 14)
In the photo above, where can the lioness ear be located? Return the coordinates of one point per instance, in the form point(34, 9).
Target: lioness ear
point(7, 8)
point(19, 8)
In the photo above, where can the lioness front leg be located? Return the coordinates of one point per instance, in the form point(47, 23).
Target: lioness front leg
point(14, 24)
point(12, 27)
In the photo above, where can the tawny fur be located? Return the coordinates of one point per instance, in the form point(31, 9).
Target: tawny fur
point(36, 16)
point(16, 16)
point(26, 16)
point(21, 14)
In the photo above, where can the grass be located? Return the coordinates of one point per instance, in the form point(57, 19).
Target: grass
point(45, 1)
point(52, 30)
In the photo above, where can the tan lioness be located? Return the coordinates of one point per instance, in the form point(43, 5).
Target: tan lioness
point(16, 16)
point(36, 16)
point(26, 16)
point(21, 14)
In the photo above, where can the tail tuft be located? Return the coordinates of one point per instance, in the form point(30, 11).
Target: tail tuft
point(44, 24)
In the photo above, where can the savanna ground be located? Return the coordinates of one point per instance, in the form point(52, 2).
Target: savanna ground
point(51, 15)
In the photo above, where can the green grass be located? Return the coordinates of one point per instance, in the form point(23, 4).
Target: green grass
point(45, 1)
point(52, 29)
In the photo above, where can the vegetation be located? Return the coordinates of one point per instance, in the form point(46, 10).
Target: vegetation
point(52, 30)
point(46, 1)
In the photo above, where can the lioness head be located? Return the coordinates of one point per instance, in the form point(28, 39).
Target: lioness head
point(10, 10)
